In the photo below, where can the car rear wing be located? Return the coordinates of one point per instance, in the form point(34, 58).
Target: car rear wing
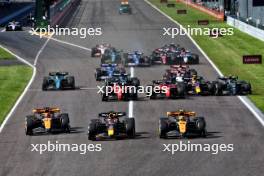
point(178, 113)
point(109, 65)
point(45, 110)
point(58, 73)
point(113, 114)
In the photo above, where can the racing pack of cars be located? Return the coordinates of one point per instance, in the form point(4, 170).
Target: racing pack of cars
point(178, 81)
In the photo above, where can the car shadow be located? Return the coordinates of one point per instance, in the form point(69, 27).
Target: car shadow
point(210, 135)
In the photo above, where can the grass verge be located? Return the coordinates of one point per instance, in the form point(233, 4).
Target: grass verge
point(13, 80)
point(227, 51)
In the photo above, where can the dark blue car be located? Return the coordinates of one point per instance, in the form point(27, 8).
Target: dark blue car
point(107, 71)
point(136, 59)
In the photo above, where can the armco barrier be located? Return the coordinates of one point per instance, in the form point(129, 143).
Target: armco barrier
point(62, 10)
point(218, 15)
point(244, 27)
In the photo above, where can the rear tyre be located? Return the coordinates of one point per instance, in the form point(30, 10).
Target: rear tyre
point(200, 124)
point(65, 123)
point(45, 84)
point(104, 97)
point(181, 90)
point(93, 52)
point(218, 89)
point(163, 128)
point(97, 74)
point(135, 82)
point(29, 125)
point(92, 130)
point(130, 128)
point(71, 82)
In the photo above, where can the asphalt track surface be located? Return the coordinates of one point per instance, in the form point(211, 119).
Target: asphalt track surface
point(228, 120)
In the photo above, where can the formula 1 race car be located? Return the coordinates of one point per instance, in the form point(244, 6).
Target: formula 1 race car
point(198, 86)
point(14, 26)
point(121, 87)
point(136, 59)
point(167, 89)
point(99, 50)
point(232, 86)
point(181, 124)
point(173, 54)
point(179, 72)
point(111, 56)
point(107, 71)
point(47, 120)
point(125, 8)
point(111, 125)
point(58, 81)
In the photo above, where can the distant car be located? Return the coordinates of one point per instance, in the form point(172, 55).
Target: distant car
point(111, 56)
point(121, 84)
point(47, 120)
point(181, 124)
point(14, 26)
point(125, 8)
point(173, 54)
point(111, 125)
point(136, 59)
point(172, 90)
point(58, 81)
point(99, 50)
point(232, 86)
point(107, 71)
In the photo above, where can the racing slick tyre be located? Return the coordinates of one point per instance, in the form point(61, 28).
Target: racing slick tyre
point(193, 72)
point(211, 88)
point(246, 88)
point(163, 128)
point(218, 89)
point(29, 125)
point(97, 74)
point(45, 83)
point(201, 125)
point(71, 82)
point(195, 59)
point(65, 123)
point(93, 52)
point(104, 97)
point(92, 130)
point(181, 90)
point(130, 127)
point(135, 82)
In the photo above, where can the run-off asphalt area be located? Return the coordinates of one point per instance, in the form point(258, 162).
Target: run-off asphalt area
point(228, 120)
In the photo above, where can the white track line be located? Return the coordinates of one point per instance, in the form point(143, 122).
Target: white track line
point(3, 30)
point(131, 103)
point(64, 42)
point(25, 90)
point(41, 50)
point(251, 107)
point(71, 44)
point(28, 85)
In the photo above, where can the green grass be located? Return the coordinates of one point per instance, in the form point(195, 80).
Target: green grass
point(5, 55)
point(226, 52)
point(13, 80)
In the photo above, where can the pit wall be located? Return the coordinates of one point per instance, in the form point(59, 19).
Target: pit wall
point(244, 27)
